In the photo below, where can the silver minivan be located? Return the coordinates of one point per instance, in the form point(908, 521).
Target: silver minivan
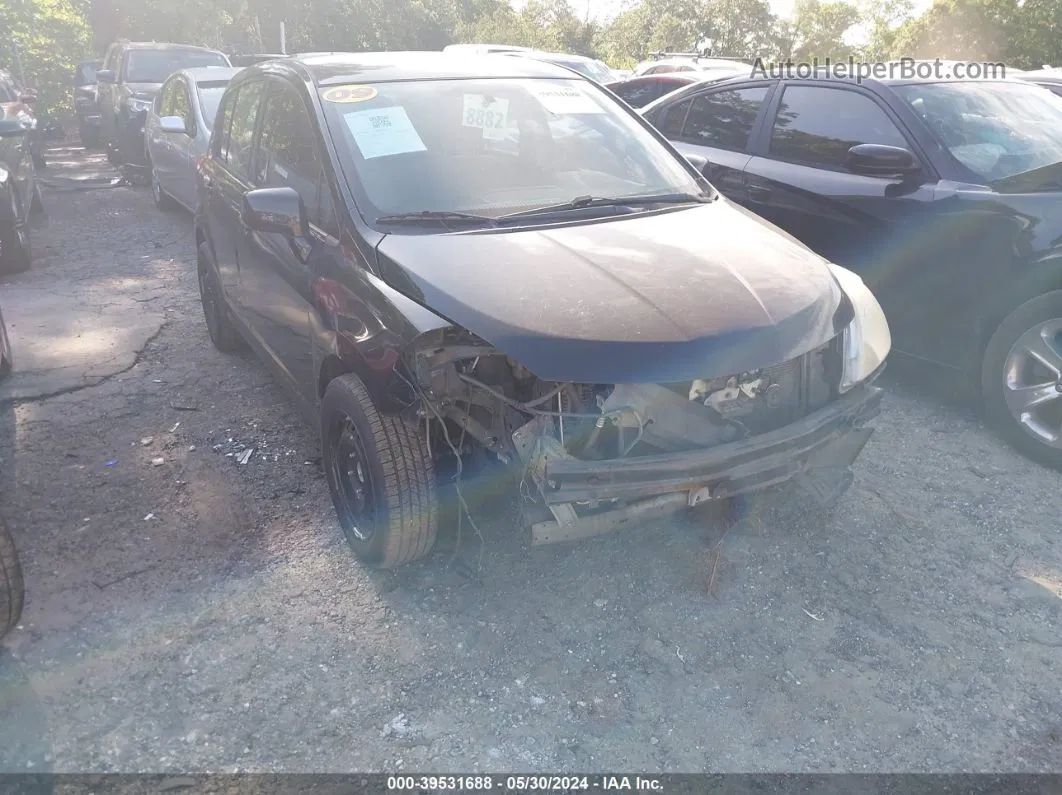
point(177, 131)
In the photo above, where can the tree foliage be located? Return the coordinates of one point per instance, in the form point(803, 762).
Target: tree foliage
point(41, 41)
point(49, 36)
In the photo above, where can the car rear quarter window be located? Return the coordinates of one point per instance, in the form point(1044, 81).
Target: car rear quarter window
point(724, 119)
point(818, 125)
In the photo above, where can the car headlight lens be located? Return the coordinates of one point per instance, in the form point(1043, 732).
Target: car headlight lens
point(140, 105)
point(867, 340)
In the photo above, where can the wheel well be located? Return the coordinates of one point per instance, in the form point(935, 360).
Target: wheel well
point(990, 323)
point(331, 368)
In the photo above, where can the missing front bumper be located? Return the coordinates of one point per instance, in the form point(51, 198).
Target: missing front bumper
point(817, 452)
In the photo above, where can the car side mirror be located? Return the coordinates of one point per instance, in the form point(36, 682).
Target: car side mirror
point(172, 124)
point(699, 162)
point(879, 160)
point(11, 128)
point(105, 76)
point(274, 211)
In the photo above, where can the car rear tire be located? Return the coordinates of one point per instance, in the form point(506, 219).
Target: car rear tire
point(223, 332)
point(381, 477)
point(12, 588)
point(162, 199)
point(1021, 379)
point(16, 254)
point(37, 204)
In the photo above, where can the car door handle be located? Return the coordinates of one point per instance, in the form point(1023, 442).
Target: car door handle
point(759, 192)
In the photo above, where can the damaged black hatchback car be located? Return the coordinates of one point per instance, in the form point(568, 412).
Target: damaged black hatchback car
point(451, 259)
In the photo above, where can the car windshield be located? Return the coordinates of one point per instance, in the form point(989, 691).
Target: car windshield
point(209, 98)
point(493, 146)
point(154, 66)
point(997, 130)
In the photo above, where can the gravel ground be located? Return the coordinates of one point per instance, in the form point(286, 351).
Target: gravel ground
point(188, 613)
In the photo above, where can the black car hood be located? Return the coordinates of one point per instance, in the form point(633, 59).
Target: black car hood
point(144, 90)
point(662, 297)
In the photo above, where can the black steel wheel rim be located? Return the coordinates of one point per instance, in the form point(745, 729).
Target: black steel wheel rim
point(353, 480)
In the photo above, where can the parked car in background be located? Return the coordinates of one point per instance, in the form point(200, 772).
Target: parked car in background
point(1051, 79)
point(250, 59)
point(132, 75)
point(666, 62)
point(19, 191)
point(431, 295)
point(946, 197)
point(640, 91)
point(596, 70)
point(20, 103)
point(86, 107)
point(177, 131)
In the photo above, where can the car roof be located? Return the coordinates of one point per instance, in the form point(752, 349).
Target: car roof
point(203, 74)
point(163, 45)
point(549, 56)
point(381, 67)
point(1041, 75)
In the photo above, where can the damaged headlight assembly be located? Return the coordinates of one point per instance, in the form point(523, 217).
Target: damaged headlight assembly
point(867, 339)
point(138, 105)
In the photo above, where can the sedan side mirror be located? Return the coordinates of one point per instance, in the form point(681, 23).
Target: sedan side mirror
point(172, 124)
point(105, 76)
point(699, 162)
point(273, 210)
point(10, 128)
point(879, 160)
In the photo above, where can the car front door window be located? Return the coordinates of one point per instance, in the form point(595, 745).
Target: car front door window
point(723, 119)
point(816, 126)
point(241, 131)
point(287, 153)
point(182, 106)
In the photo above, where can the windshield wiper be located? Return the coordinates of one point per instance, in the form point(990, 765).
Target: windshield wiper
point(443, 217)
point(581, 202)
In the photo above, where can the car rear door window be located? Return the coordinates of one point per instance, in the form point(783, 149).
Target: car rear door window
point(818, 125)
point(287, 153)
point(724, 119)
point(241, 130)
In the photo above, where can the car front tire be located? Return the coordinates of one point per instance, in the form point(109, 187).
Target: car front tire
point(1021, 379)
point(12, 589)
point(381, 477)
point(223, 332)
point(15, 252)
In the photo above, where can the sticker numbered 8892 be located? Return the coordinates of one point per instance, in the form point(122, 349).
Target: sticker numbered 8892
point(484, 117)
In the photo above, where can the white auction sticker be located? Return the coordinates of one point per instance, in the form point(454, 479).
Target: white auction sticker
point(489, 114)
point(383, 131)
point(565, 100)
